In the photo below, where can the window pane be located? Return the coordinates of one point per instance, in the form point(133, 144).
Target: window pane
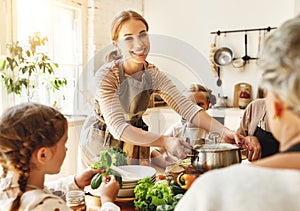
point(61, 24)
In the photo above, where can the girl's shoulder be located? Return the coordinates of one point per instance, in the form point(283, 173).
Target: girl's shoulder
point(39, 200)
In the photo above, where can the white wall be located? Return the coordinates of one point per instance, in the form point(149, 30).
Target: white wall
point(193, 20)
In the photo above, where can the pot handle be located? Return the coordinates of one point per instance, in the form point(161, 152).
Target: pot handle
point(194, 151)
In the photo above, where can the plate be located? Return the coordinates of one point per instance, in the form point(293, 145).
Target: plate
point(129, 184)
point(139, 172)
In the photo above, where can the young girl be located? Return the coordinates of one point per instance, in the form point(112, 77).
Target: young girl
point(124, 87)
point(203, 98)
point(32, 144)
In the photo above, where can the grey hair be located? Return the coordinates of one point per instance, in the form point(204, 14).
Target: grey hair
point(280, 63)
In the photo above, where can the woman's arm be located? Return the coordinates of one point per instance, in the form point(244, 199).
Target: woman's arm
point(205, 121)
point(189, 110)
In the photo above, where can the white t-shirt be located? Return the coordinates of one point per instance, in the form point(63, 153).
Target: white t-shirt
point(244, 187)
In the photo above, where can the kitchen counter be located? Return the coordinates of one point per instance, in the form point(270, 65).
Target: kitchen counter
point(93, 203)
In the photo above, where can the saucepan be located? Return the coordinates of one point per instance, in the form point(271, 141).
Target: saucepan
point(223, 56)
point(210, 156)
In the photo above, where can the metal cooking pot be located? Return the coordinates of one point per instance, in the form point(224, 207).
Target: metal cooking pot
point(223, 56)
point(212, 156)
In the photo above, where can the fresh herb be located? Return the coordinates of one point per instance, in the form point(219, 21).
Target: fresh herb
point(154, 196)
point(111, 156)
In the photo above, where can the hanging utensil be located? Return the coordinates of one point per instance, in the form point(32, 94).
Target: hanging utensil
point(219, 81)
point(212, 52)
point(223, 56)
point(259, 46)
point(246, 58)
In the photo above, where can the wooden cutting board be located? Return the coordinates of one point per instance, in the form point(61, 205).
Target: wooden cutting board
point(237, 91)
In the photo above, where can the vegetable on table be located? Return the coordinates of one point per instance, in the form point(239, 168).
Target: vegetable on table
point(150, 196)
point(185, 180)
point(111, 156)
point(176, 188)
point(96, 181)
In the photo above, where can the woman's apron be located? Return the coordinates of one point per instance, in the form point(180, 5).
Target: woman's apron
point(134, 97)
point(268, 143)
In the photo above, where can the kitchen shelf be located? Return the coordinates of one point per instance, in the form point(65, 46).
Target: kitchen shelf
point(156, 101)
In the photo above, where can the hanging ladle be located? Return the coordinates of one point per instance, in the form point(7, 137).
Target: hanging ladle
point(246, 58)
point(219, 81)
point(240, 62)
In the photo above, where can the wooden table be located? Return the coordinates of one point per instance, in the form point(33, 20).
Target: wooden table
point(94, 203)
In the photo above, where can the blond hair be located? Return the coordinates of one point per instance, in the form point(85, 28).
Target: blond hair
point(123, 17)
point(208, 93)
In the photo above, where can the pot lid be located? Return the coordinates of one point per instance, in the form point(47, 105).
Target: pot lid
point(219, 147)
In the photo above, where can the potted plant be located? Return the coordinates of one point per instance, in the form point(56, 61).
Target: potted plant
point(27, 68)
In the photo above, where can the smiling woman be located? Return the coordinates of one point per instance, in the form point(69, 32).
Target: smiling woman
point(123, 90)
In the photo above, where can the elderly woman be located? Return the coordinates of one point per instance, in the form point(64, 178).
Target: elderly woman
point(271, 183)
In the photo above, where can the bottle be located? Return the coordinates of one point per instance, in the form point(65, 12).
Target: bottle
point(244, 98)
point(76, 200)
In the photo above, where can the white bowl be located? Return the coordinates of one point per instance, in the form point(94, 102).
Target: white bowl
point(139, 171)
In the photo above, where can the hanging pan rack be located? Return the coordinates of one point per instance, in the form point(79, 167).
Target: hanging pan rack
point(244, 30)
point(245, 58)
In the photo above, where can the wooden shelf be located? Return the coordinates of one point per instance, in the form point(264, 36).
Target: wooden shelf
point(156, 101)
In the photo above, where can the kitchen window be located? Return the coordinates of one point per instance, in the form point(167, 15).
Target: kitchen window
point(61, 22)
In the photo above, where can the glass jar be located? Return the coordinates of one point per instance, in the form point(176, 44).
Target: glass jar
point(244, 98)
point(76, 200)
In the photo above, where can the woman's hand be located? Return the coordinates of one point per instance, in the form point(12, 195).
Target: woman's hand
point(109, 189)
point(176, 146)
point(230, 136)
point(162, 159)
point(84, 178)
point(252, 145)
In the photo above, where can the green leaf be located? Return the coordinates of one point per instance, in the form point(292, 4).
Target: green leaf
point(108, 160)
point(26, 61)
point(2, 65)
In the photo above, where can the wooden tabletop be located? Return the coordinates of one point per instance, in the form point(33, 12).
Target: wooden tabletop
point(94, 203)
